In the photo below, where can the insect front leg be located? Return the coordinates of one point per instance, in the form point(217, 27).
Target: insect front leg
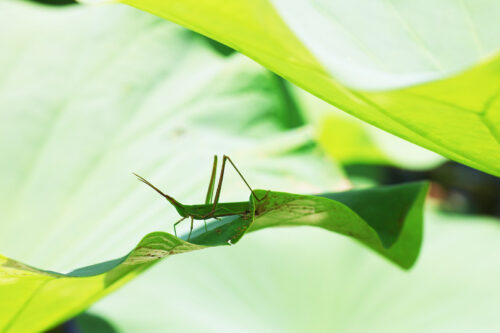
point(176, 223)
point(221, 178)
point(225, 158)
point(210, 191)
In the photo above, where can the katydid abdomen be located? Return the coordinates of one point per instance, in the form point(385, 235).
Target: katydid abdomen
point(203, 212)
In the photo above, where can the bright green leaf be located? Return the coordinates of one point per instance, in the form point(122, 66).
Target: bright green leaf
point(361, 55)
point(351, 141)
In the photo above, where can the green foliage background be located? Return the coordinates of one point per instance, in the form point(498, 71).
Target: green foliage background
point(88, 95)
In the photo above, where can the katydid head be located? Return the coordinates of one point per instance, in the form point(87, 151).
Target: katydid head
point(178, 206)
point(260, 199)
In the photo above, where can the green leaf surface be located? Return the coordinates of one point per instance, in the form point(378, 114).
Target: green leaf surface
point(387, 219)
point(415, 69)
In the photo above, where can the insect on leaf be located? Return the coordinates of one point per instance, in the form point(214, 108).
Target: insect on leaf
point(386, 219)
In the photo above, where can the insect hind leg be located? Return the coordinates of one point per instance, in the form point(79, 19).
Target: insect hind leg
point(243, 178)
point(191, 228)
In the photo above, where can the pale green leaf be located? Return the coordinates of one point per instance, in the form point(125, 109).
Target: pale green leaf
point(90, 95)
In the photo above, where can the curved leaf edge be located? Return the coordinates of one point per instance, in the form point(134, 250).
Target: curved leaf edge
point(159, 244)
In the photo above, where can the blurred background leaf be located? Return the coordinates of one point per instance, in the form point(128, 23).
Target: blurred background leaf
point(131, 94)
point(89, 95)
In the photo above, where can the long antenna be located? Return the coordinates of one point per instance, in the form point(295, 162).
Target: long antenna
point(169, 198)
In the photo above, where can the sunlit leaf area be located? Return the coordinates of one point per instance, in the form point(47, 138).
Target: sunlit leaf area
point(249, 166)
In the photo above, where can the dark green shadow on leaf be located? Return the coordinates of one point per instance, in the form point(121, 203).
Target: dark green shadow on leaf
point(88, 322)
point(387, 219)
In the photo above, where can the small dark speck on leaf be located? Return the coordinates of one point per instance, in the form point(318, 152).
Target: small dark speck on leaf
point(177, 132)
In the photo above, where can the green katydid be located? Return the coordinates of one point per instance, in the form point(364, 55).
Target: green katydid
point(211, 209)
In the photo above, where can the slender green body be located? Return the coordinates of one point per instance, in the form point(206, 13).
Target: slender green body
point(203, 212)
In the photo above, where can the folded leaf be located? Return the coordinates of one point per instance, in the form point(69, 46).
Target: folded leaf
point(387, 219)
